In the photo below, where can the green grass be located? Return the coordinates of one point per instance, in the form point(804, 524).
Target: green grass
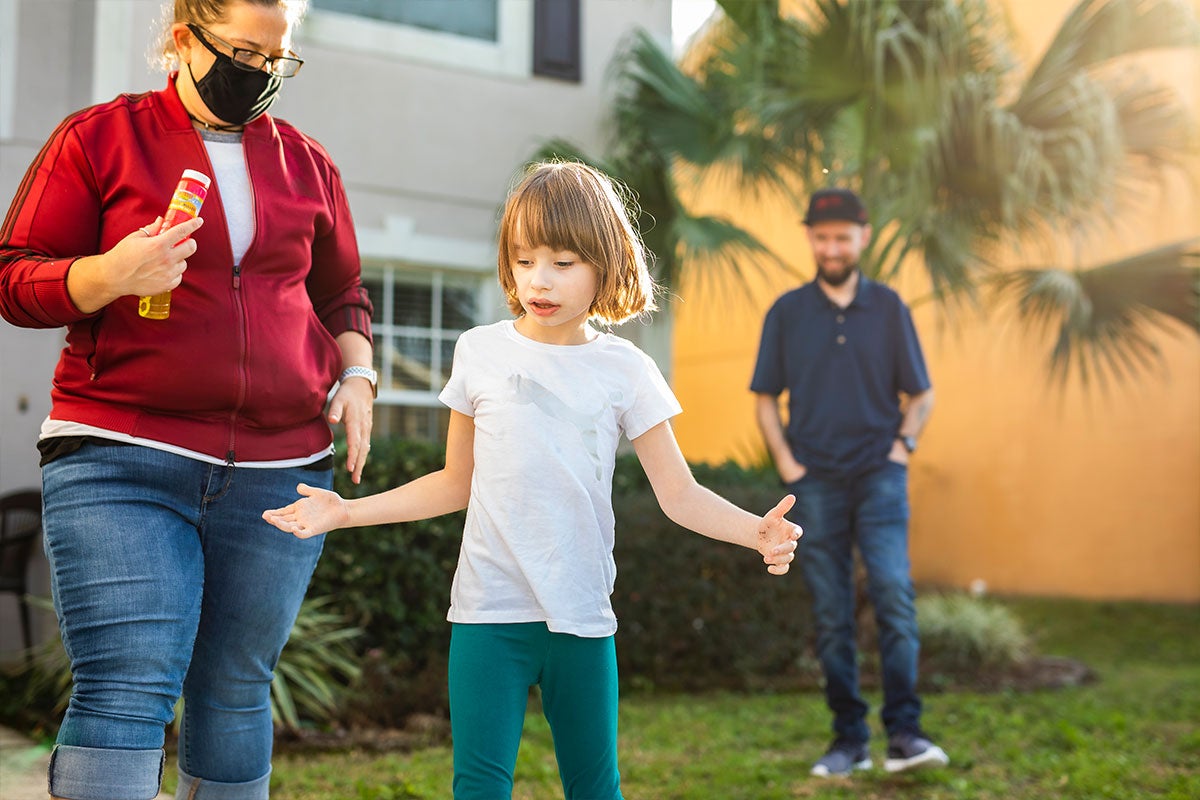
point(1135, 733)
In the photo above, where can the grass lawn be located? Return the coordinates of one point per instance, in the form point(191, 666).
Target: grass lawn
point(1135, 733)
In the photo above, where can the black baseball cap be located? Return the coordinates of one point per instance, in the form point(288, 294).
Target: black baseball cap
point(842, 205)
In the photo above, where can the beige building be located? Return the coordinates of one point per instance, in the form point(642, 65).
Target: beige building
point(428, 110)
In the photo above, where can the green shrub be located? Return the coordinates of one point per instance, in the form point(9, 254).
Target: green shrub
point(696, 613)
point(34, 693)
point(961, 634)
point(316, 666)
point(393, 583)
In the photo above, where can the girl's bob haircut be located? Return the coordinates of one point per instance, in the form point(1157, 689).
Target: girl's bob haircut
point(566, 205)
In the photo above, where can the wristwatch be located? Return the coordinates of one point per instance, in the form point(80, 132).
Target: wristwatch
point(362, 372)
point(909, 442)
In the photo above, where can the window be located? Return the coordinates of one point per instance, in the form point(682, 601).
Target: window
point(556, 52)
point(477, 19)
point(419, 315)
point(494, 37)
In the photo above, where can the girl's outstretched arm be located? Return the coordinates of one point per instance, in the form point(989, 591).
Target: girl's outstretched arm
point(689, 504)
point(319, 511)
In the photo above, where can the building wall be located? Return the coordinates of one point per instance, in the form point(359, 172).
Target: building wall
point(1035, 490)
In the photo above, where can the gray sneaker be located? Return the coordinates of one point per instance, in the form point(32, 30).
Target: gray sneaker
point(842, 758)
point(913, 750)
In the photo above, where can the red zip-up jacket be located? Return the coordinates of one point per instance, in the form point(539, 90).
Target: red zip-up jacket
point(242, 367)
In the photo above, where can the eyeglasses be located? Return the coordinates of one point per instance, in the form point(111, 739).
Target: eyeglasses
point(250, 60)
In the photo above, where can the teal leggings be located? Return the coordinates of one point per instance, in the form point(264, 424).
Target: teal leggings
point(491, 670)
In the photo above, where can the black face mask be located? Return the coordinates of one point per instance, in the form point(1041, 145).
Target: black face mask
point(234, 94)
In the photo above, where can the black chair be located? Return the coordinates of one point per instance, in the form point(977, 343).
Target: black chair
point(20, 532)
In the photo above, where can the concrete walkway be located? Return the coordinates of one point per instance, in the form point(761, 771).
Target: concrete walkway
point(23, 766)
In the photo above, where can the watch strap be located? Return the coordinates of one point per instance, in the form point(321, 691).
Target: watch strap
point(362, 372)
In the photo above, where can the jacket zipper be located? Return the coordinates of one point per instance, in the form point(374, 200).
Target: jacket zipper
point(93, 361)
point(241, 365)
point(231, 450)
point(243, 315)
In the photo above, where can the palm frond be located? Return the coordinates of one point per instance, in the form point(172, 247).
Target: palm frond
point(315, 666)
point(1102, 319)
point(283, 708)
point(658, 104)
point(1156, 130)
point(721, 257)
point(719, 252)
point(751, 17)
point(1097, 31)
point(1098, 129)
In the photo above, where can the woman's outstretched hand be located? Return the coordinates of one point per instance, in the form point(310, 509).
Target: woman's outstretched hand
point(777, 537)
point(317, 511)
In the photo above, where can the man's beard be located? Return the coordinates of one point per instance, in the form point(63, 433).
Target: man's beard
point(836, 277)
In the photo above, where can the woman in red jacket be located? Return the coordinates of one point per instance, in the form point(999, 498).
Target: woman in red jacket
point(166, 438)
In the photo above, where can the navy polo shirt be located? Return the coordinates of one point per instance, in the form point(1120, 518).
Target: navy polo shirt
point(843, 370)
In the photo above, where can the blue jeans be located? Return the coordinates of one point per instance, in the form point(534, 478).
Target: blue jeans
point(870, 511)
point(167, 581)
point(492, 667)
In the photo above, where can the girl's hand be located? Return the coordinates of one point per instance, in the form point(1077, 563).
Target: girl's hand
point(318, 511)
point(777, 537)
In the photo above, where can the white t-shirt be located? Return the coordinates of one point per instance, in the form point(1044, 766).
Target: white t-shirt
point(539, 534)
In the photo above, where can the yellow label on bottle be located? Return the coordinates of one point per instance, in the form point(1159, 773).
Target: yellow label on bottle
point(187, 202)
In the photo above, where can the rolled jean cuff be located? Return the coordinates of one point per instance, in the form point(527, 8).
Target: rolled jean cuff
point(200, 789)
point(101, 773)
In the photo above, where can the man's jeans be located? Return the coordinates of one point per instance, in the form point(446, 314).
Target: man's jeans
point(167, 580)
point(870, 511)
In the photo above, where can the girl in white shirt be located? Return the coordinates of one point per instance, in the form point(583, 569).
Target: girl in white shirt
point(538, 405)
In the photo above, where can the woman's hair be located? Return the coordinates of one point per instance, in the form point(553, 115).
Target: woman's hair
point(206, 12)
point(566, 205)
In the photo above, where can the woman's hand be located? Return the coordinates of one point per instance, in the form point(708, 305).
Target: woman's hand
point(317, 511)
point(141, 264)
point(353, 405)
point(777, 537)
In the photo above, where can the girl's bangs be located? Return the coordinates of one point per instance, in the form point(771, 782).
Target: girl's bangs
point(545, 217)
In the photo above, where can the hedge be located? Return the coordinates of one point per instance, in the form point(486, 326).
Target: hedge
point(693, 613)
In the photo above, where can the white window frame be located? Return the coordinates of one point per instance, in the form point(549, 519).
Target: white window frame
point(508, 56)
point(397, 248)
point(384, 331)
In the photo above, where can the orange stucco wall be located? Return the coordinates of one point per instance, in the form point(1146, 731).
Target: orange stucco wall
point(1034, 489)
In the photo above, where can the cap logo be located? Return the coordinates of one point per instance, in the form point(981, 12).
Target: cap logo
point(835, 204)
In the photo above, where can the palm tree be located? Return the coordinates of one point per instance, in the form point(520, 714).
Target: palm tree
point(918, 104)
point(645, 155)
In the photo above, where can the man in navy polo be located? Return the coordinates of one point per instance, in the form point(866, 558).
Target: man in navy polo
point(845, 350)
